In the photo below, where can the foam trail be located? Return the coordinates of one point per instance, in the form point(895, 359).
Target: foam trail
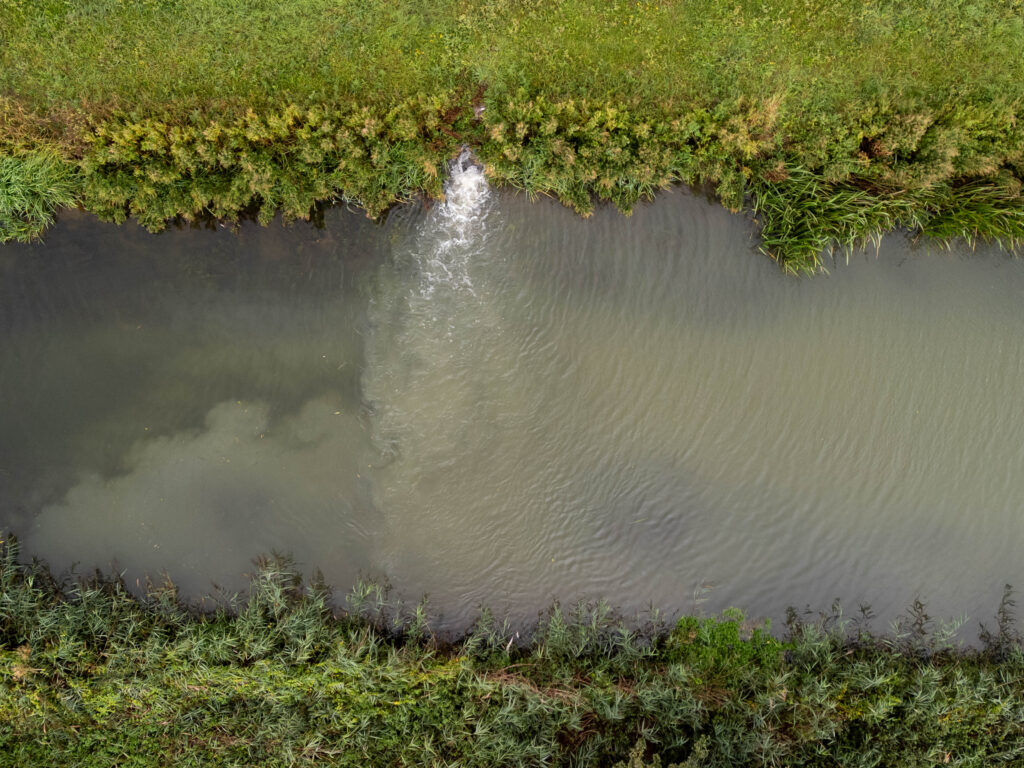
point(456, 230)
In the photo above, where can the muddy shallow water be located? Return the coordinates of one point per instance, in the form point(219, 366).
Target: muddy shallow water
point(495, 402)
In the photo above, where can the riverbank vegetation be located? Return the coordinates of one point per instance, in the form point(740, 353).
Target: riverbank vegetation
point(91, 675)
point(832, 121)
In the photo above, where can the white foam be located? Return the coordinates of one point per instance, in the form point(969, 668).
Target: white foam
point(466, 194)
point(456, 230)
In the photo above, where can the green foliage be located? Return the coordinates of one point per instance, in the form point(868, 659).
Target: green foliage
point(722, 652)
point(286, 160)
point(636, 757)
point(804, 216)
point(576, 149)
point(93, 675)
point(32, 187)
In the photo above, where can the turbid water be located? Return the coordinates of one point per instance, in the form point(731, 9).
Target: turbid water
point(495, 402)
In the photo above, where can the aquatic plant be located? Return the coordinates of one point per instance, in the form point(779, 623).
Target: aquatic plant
point(92, 674)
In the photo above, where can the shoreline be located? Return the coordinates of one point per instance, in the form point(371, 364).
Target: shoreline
point(294, 161)
point(833, 123)
point(96, 676)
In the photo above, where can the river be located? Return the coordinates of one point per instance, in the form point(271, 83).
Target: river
point(494, 402)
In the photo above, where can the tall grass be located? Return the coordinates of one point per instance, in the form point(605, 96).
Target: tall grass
point(805, 217)
point(32, 187)
point(93, 675)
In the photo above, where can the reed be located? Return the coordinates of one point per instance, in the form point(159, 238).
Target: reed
point(92, 674)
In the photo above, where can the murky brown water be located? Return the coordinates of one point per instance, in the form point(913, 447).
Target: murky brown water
point(502, 404)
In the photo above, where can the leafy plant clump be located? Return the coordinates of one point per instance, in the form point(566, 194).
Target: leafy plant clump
point(93, 675)
point(32, 187)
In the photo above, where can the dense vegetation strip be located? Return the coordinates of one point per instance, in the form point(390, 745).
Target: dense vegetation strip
point(832, 120)
point(91, 675)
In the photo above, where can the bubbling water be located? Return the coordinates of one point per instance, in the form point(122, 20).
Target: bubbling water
point(466, 193)
point(424, 294)
point(456, 230)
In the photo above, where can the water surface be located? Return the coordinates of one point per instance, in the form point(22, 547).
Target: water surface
point(495, 402)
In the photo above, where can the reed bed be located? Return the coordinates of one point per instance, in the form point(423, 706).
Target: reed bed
point(92, 674)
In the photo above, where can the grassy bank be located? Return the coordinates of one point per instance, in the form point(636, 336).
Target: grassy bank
point(92, 676)
point(833, 121)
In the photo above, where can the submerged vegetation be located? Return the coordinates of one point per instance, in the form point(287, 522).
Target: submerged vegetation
point(833, 121)
point(91, 675)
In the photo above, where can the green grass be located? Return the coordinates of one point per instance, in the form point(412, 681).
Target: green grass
point(91, 675)
point(805, 216)
point(32, 187)
point(892, 112)
point(148, 54)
